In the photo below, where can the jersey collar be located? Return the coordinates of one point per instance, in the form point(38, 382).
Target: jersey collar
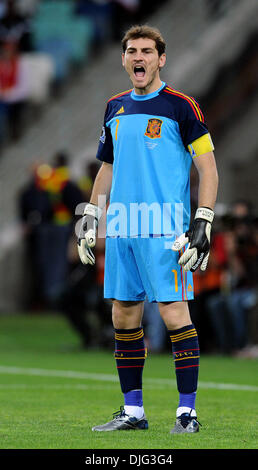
point(136, 97)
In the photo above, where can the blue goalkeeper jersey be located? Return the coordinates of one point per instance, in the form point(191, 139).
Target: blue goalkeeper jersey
point(145, 137)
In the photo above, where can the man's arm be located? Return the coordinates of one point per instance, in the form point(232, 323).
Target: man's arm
point(93, 211)
point(208, 179)
point(199, 232)
point(102, 185)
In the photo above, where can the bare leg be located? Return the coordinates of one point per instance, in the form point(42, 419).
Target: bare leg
point(175, 314)
point(127, 315)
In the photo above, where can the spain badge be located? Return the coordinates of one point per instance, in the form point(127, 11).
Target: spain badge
point(153, 129)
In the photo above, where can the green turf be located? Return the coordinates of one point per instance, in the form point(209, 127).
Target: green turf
point(55, 412)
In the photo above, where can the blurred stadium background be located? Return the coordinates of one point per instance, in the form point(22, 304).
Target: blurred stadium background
point(59, 63)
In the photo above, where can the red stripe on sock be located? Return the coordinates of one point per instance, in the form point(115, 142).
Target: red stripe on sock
point(126, 367)
point(187, 367)
point(129, 350)
point(184, 350)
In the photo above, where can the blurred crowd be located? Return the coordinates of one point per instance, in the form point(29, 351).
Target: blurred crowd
point(15, 40)
point(42, 43)
point(55, 278)
point(225, 306)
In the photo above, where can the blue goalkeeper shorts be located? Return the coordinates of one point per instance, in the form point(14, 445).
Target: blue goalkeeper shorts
point(140, 267)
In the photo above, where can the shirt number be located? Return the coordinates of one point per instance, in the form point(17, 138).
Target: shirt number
point(176, 280)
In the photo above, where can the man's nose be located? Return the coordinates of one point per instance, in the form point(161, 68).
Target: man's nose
point(139, 56)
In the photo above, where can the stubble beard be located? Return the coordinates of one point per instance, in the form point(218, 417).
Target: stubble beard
point(143, 90)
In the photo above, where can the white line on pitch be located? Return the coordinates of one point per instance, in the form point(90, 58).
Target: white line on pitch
point(70, 374)
point(46, 386)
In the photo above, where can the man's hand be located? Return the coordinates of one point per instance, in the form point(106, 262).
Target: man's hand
point(198, 237)
point(87, 235)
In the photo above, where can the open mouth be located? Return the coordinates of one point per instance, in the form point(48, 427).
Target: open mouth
point(139, 71)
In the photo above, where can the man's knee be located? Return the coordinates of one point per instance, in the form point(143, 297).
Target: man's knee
point(175, 314)
point(127, 314)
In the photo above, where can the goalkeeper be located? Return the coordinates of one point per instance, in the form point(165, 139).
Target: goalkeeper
point(150, 137)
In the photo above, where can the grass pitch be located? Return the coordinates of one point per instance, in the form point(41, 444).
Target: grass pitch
point(52, 393)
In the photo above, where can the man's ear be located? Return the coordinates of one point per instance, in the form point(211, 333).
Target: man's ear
point(162, 60)
point(123, 59)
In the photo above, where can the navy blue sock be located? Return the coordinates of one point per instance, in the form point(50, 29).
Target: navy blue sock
point(186, 353)
point(130, 354)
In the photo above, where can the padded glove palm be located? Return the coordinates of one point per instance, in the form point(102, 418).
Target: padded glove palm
point(87, 235)
point(198, 236)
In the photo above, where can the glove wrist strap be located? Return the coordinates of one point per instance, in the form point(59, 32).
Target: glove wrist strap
point(92, 209)
point(204, 213)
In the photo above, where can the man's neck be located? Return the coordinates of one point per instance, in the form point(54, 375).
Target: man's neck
point(151, 88)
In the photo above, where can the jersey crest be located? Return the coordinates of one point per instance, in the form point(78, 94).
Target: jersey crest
point(153, 129)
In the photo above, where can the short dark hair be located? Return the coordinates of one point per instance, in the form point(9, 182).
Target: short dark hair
point(145, 31)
